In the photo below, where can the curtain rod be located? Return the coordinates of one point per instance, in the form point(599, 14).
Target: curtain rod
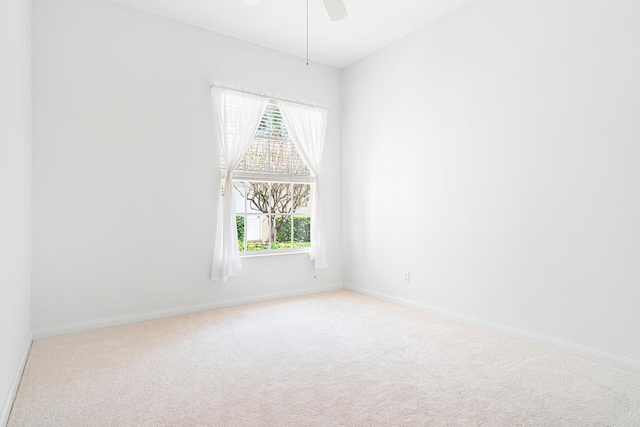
point(267, 95)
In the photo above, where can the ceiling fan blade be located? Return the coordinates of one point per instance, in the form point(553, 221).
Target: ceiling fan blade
point(335, 9)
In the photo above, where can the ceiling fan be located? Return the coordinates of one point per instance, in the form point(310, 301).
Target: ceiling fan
point(335, 8)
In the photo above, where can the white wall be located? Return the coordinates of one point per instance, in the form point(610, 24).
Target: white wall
point(496, 156)
point(15, 194)
point(126, 172)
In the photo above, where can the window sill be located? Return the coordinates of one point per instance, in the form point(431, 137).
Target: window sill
point(255, 254)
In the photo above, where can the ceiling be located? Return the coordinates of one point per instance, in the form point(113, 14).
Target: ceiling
point(281, 24)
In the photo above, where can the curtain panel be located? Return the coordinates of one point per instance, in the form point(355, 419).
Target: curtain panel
point(307, 127)
point(238, 115)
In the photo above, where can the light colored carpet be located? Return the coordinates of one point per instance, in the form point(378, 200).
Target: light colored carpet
point(333, 359)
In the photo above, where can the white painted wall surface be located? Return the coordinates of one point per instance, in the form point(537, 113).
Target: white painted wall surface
point(496, 156)
point(15, 194)
point(126, 172)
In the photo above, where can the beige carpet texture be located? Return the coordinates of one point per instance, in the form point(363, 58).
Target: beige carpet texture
point(331, 359)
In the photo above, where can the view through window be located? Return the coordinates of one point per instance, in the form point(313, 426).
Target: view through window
point(273, 191)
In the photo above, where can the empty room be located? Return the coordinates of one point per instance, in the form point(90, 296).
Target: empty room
point(319, 213)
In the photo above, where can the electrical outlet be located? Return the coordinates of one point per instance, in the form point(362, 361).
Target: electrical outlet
point(407, 277)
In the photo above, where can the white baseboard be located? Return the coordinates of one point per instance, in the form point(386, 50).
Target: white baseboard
point(143, 317)
point(5, 411)
point(551, 343)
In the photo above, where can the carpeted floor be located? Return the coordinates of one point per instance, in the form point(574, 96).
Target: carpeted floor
point(333, 359)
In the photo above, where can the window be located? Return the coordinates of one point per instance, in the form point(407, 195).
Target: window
point(273, 191)
point(265, 169)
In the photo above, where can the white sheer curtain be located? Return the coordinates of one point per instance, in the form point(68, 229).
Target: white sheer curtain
point(307, 126)
point(238, 116)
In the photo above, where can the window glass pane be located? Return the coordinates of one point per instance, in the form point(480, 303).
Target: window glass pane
point(241, 192)
point(257, 232)
point(280, 197)
point(257, 197)
point(283, 229)
point(302, 231)
point(253, 228)
point(282, 245)
point(240, 227)
point(302, 198)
